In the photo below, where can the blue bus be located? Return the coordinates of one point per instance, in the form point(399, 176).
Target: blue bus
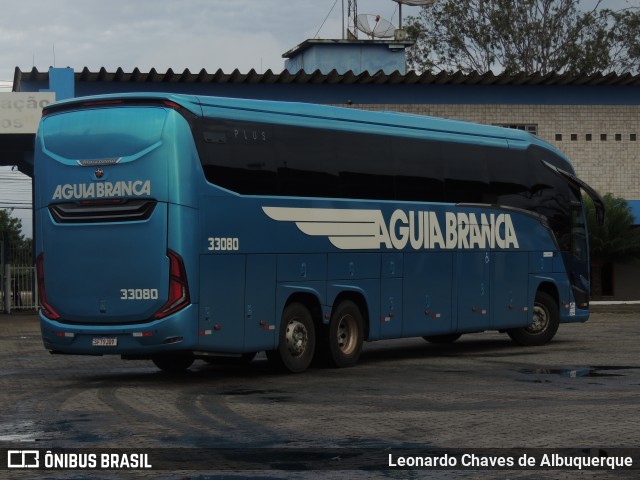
point(174, 228)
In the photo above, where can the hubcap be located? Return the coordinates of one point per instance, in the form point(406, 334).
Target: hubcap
point(540, 319)
point(297, 338)
point(347, 334)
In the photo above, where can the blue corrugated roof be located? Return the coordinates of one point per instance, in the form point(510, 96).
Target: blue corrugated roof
point(410, 78)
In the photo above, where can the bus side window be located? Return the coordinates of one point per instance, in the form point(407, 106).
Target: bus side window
point(306, 163)
point(466, 176)
point(511, 181)
point(322, 163)
point(366, 166)
point(237, 156)
point(422, 170)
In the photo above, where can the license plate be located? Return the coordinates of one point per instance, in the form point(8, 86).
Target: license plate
point(105, 342)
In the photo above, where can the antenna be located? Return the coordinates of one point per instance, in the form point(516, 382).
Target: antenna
point(374, 26)
point(352, 14)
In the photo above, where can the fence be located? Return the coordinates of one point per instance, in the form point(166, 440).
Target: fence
point(18, 278)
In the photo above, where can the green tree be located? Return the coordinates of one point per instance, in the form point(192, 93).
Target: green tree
point(10, 226)
point(615, 240)
point(10, 232)
point(524, 36)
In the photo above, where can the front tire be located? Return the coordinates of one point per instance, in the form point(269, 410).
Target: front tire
point(297, 340)
point(546, 320)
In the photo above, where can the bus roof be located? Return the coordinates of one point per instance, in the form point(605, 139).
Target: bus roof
point(323, 116)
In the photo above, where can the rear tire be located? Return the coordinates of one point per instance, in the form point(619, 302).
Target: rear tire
point(546, 320)
point(346, 335)
point(297, 340)
point(173, 362)
point(442, 339)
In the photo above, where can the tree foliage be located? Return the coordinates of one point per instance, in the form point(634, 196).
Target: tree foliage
point(10, 233)
point(10, 227)
point(524, 36)
point(615, 240)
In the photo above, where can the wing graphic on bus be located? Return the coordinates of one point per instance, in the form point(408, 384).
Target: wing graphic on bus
point(346, 229)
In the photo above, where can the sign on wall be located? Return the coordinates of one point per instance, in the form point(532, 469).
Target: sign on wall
point(21, 112)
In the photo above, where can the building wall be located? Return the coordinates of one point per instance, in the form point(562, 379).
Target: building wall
point(355, 56)
point(608, 165)
point(625, 281)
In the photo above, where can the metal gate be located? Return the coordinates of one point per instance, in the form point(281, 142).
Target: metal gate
point(18, 278)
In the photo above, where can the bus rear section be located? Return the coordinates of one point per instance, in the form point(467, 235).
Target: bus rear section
point(112, 279)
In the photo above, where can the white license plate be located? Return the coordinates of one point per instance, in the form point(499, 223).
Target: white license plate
point(105, 342)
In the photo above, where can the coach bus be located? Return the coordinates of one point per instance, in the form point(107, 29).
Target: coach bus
point(174, 227)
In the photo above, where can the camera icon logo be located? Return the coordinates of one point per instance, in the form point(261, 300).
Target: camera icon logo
point(23, 459)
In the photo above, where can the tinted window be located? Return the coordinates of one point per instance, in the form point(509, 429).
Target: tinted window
point(510, 178)
point(305, 162)
point(466, 176)
point(256, 159)
point(551, 196)
point(237, 156)
point(420, 170)
point(103, 132)
point(366, 165)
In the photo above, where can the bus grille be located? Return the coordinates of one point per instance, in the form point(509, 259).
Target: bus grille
point(126, 211)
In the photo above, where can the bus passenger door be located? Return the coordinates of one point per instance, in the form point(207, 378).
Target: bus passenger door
point(473, 285)
point(221, 319)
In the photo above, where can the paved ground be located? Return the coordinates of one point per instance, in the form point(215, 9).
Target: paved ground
point(580, 391)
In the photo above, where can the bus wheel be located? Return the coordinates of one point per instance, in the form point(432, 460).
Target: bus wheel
point(173, 362)
point(443, 339)
point(546, 320)
point(345, 335)
point(297, 340)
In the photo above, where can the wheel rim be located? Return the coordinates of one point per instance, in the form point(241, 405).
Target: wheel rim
point(297, 338)
point(540, 319)
point(347, 334)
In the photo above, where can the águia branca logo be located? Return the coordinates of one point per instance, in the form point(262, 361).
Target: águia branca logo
point(360, 229)
point(85, 191)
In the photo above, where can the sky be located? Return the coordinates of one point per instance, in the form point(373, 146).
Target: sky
point(163, 34)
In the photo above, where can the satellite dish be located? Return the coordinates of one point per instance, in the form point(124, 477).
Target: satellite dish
point(416, 3)
point(375, 26)
point(412, 3)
